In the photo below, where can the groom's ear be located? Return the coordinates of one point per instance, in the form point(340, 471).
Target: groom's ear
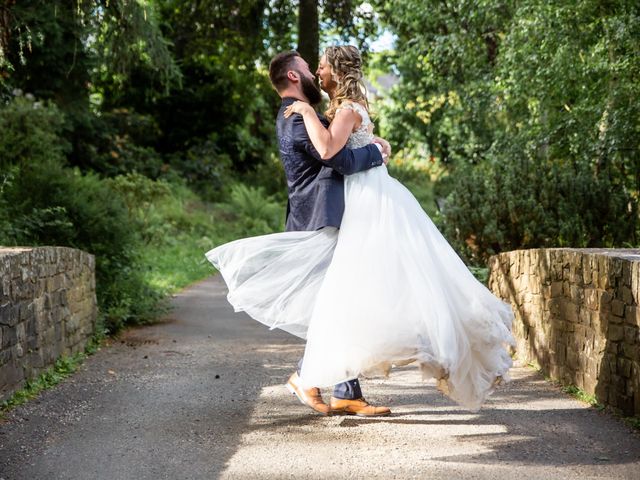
point(293, 76)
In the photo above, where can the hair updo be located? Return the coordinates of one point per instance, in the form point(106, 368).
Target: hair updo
point(346, 68)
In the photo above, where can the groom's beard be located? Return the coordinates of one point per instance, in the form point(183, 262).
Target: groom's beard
point(310, 90)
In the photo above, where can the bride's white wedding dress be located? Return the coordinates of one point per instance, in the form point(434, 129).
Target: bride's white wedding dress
point(386, 289)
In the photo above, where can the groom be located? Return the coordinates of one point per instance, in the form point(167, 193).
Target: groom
point(316, 199)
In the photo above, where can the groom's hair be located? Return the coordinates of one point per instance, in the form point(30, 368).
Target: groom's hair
point(278, 68)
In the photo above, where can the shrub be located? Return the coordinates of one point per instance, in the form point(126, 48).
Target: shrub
point(45, 203)
point(505, 204)
point(255, 212)
point(203, 167)
point(29, 134)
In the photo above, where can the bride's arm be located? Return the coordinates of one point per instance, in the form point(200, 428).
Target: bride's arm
point(329, 141)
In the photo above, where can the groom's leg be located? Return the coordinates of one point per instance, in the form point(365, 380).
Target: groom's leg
point(349, 390)
point(347, 399)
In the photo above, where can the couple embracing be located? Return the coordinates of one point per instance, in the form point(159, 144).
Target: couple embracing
point(361, 272)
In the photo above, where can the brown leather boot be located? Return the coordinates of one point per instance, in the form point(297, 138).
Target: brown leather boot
point(359, 407)
point(309, 397)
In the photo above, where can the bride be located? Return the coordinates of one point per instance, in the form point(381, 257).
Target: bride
point(386, 289)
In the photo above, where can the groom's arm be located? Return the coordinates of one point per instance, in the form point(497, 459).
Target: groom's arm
point(346, 161)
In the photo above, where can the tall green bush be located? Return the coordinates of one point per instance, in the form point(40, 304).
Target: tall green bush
point(45, 203)
point(507, 203)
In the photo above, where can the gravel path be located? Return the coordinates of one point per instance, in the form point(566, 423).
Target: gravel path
point(201, 396)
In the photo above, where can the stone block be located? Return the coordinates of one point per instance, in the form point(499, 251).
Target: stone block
point(631, 335)
point(615, 333)
point(591, 298)
point(603, 281)
point(560, 353)
point(11, 376)
point(630, 351)
point(9, 337)
point(572, 359)
point(617, 308)
point(624, 367)
point(635, 282)
point(59, 332)
point(63, 298)
point(632, 316)
point(612, 348)
point(626, 274)
point(577, 294)
point(21, 333)
point(569, 311)
point(534, 287)
point(554, 371)
point(626, 296)
point(625, 404)
point(72, 324)
point(32, 342)
point(589, 384)
point(586, 271)
point(7, 314)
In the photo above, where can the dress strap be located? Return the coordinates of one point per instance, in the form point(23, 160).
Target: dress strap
point(356, 107)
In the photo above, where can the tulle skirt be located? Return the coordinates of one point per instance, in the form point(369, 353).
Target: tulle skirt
point(387, 290)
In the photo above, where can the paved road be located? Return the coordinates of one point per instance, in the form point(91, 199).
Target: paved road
point(201, 396)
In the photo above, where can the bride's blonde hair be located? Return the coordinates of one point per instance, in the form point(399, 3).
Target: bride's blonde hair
point(346, 69)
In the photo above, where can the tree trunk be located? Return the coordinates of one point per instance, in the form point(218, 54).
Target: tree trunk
point(308, 33)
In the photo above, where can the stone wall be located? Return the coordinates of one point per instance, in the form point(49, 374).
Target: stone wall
point(47, 309)
point(577, 317)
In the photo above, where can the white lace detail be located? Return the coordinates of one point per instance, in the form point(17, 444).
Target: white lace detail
point(363, 134)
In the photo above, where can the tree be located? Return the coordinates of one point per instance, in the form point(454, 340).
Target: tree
point(529, 106)
point(308, 32)
point(53, 49)
point(334, 19)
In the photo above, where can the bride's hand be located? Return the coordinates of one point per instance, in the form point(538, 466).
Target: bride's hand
point(386, 148)
point(297, 107)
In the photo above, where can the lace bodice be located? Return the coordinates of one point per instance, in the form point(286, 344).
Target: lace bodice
point(363, 134)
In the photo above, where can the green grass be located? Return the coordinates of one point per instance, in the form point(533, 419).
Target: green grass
point(579, 394)
point(573, 390)
point(633, 422)
point(62, 368)
point(180, 228)
point(583, 396)
point(172, 267)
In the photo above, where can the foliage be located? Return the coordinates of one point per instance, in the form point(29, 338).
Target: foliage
point(506, 204)
point(254, 211)
point(140, 194)
point(45, 203)
point(583, 396)
point(186, 227)
point(531, 109)
point(633, 422)
point(29, 134)
point(61, 369)
point(55, 49)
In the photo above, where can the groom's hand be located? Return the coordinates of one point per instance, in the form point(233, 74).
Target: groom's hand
point(386, 148)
